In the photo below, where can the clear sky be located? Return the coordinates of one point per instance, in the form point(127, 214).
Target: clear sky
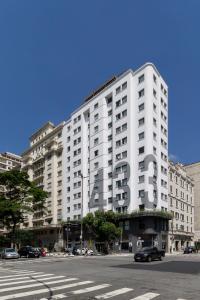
point(54, 52)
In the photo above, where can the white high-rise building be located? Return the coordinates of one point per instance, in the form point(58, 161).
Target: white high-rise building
point(116, 145)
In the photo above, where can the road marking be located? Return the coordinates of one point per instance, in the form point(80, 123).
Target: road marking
point(31, 280)
point(114, 293)
point(147, 296)
point(34, 285)
point(36, 292)
point(11, 276)
point(56, 297)
point(26, 277)
point(91, 289)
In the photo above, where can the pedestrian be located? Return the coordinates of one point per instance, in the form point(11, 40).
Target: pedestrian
point(86, 251)
point(170, 249)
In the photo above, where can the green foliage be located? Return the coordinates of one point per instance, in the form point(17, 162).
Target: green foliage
point(23, 237)
point(18, 196)
point(102, 226)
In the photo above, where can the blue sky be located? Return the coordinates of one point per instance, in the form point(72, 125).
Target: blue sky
point(53, 53)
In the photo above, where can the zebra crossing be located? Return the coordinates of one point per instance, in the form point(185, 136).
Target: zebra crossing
point(26, 284)
point(33, 260)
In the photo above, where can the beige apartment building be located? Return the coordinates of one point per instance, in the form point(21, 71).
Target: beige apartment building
point(181, 205)
point(9, 161)
point(43, 163)
point(193, 170)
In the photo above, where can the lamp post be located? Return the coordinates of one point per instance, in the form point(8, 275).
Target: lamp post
point(67, 229)
point(81, 236)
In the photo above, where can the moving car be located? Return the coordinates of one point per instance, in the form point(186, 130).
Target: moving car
point(148, 254)
point(8, 253)
point(28, 252)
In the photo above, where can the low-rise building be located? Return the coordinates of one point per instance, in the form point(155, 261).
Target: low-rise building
point(181, 205)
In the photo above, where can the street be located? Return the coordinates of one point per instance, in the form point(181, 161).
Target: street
point(104, 277)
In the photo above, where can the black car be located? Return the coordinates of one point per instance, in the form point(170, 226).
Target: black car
point(189, 250)
point(148, 254)
point(28, 251)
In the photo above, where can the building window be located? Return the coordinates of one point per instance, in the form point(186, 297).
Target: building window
point(124, 113)
point(141, 79)
point(96, 153)
point(109, 125)
point(124, 85)
point(124, 99)
point(141, 136)
point(141, 93)
point(96, 105)
point(118, 103)
point(96, 141)
point(141, 179)
point(124, 154)
point(110, 112)
point(141, 193)
point(141, 107)
point(118, 89)
point(141, 165)
point(96, 117)
point(110, 150)
point(96, 165)
point(141, 150)
point(110, 162)
point(141, 121)
point(96, 129)
point(110, 200)
point(110, 137)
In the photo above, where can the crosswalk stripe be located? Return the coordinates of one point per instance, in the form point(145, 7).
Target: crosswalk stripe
point(180, 299)
point(114, 293)
point(26, 277)
point(56, 297)
point(31, 280)
point(27, 286)
point(147, 296)
point(10, 276)
point(91, 289)
point(45, 290)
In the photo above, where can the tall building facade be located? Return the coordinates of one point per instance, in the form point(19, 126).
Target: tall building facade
point(9, 161)
point(181, 205)
point(194, 171)
point(43, 162)
point(111, 154)
point(116, 146)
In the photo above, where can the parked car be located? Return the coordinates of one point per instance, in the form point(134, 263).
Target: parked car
point(8, 253)
point(28, 252)
point(189, 250)
point(41, 251)
point(148, 254)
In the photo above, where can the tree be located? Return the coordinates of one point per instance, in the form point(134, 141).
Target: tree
point(102, 225)
point(18, 196)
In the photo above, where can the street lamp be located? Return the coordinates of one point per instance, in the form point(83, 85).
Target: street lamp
point(81, 236)
point(67, 230)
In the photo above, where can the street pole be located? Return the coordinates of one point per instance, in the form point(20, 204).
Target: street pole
point(81, 236)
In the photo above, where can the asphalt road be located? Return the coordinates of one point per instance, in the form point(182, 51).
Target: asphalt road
point(87, 278)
